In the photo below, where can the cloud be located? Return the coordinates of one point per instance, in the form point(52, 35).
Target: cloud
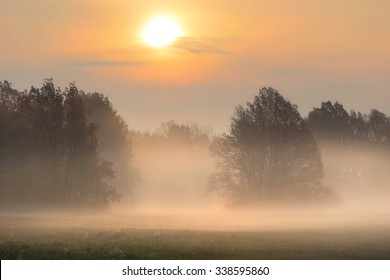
point(200, 45)
point(327, 57)
point(103, 63)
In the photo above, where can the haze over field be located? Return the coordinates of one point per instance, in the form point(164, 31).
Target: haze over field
point(183, 176)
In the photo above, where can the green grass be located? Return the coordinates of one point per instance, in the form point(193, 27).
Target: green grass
point(79, 242)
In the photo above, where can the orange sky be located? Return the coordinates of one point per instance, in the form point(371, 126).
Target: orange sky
point(311, 51)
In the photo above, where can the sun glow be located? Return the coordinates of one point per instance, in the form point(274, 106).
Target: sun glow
point(161, 31)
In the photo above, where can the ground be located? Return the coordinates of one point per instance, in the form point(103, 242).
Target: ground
point(171, 237)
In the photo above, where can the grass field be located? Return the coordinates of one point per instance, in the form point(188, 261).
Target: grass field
point(161, 237)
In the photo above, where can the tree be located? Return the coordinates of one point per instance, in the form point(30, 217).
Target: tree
point(269, 153)
point(354, 146)
point(183, 134)
point(8, 100)
point(8, 108)
point(378, 127)
point(115, 143)
point(358, 125)
point(85, 171)
point(49, 151)
point(330, 121)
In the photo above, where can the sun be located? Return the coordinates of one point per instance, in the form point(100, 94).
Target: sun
point(161, 31)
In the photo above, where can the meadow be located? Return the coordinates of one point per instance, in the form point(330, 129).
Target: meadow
point(146, 236)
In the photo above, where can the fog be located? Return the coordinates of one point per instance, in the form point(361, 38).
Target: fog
point(172, 176)
point(172, 194)
point(373, 214)
point(68, 154)
point(171, 214)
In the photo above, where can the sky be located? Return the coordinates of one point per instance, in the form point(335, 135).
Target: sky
point(311, 51)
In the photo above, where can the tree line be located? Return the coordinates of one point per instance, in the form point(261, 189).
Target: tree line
point(355, 147)
point(333, 123)
point(51, 146)
point(273, 154)
point(68, 147)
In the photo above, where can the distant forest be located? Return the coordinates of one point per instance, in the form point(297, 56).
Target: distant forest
point(69, 148)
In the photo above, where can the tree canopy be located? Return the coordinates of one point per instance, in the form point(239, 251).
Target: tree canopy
point(331, 122)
